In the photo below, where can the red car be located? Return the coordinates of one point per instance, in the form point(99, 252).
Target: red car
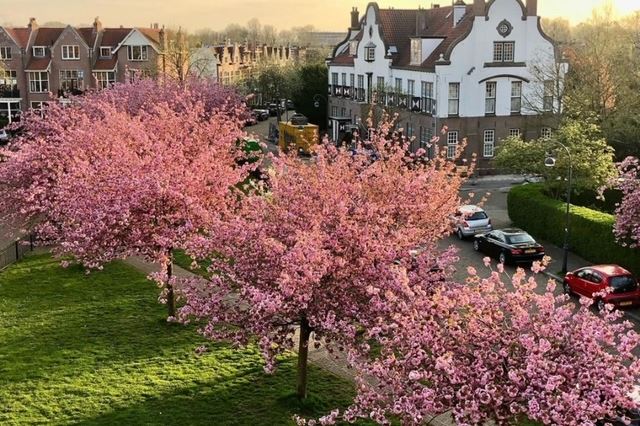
point(591, 280)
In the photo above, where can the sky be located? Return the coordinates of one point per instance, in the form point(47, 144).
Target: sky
point(328, 15)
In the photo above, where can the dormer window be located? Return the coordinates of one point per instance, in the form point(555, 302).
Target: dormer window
point(503, 51)
point(70, 52)
point(38, 51)
point(138, 53)
point(353, 47)
point(416, 51)
point(370, 52)
point(5, 52)
point(105, 52)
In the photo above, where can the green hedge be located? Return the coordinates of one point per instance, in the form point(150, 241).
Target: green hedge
point(591, 231)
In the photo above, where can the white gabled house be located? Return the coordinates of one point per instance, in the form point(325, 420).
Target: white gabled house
point(467, 66)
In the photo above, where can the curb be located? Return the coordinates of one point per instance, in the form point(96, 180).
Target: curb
point(559, 280)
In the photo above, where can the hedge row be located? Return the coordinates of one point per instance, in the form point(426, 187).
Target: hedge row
point(591, 231)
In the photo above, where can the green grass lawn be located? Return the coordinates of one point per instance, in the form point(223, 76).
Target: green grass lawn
point(96, 349)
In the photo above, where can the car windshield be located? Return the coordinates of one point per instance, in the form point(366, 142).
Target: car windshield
point(478, 216)
point(520, 239)
point(623, 283)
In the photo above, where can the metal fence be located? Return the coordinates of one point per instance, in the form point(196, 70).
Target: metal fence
point(16, 251)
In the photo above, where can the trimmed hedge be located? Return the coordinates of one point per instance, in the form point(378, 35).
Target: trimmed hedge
point(591, 231)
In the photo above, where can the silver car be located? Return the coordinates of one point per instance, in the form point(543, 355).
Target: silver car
point(471, 220)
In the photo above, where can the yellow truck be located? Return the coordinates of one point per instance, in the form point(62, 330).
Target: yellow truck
point(295, 135)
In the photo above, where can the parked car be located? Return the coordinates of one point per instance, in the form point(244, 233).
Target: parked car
point(290, 105)
point(4, 136)
point(273, 109)
point(471, 220)
point(261, 114)
point(621, 286)
point(509, 245)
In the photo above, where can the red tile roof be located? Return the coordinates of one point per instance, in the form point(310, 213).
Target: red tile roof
point(114, 36)
point(47, 36)
point(88, 35)
point(105, 64)
point(398, 26)
point(38, 64)
point(20, 35)
point(152, 34)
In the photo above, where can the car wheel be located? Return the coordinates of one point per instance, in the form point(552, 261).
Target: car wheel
point(476, 245)
point(502, 258)
point(600, 305)
point(566, 288)
point(460, 234)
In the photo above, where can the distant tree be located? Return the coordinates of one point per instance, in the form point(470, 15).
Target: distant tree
point(254, 30)
point(593, 163)
point(314, 81)
point(627, 229)
point(236, 33)
point(269, 35)
point(312, 251)
point(166, 171)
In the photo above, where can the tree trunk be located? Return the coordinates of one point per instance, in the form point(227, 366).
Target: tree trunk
point(171, 301)
point(303, 355)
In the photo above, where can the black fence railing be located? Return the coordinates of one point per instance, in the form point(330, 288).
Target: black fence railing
point(16, 251)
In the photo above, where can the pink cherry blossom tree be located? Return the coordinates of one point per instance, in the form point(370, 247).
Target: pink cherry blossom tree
point(627, 228)
point(309, 252)
point(103, 180)
point(496, 348)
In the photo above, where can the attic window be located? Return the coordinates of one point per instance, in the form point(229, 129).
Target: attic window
point(353, 47)
point(370, 52)
point(38, 51)
point(105, 52)
point(416, 51)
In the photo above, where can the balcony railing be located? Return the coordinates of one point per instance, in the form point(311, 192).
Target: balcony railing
point(424, 105)
point(9, 91)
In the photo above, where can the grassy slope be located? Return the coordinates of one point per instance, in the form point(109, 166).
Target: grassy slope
point(95, 349)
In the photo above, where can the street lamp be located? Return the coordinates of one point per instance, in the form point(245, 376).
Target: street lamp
point(550, 161)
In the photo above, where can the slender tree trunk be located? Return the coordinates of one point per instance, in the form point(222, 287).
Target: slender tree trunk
point(303, 355)
point(171, 301)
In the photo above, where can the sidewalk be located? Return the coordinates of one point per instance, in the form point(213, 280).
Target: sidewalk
point(318, 357)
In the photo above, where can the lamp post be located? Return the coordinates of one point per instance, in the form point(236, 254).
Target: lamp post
point(550, 161)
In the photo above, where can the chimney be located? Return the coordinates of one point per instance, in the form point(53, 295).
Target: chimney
point(33, 25)
point(459, 10)
point(163, 38)
point(97, 25)
point(478, 8)
point(421, 22)
point(532, 7)
point(355, 19)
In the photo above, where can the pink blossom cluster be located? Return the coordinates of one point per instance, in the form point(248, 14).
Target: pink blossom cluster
point(136, 170)
point(319, 243)
point(627, 228)
point(496, 348)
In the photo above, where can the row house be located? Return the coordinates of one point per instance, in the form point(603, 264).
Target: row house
point(473, 68)
point(38, 64)
point(236, 62)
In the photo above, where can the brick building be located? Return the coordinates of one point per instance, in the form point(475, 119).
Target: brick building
point(469, 67)
point(38, 64)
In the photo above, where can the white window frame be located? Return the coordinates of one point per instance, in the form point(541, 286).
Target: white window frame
point(380, 83)
point(491, 88)
point(398, 86)
point(547, 96)
point(489, 143)
point(102, 49)
point(411, 87)
point(545, 132)
point(5, 52)
point(70, 76)
point(39, 51)
point(70, 52)
point(454, 99)
point(370, 53)
point(452, 144)
point(504, 51)
point(142, 57)
point(428, 101)
point(36, 85)
point(516, 97)
point(8, 77)
point(514, 133)
point(344, 79)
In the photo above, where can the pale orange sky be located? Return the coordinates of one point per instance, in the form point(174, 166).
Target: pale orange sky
point(331, 15)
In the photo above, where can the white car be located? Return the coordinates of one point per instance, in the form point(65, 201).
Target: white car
point(471, 220)
point(4, 136)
